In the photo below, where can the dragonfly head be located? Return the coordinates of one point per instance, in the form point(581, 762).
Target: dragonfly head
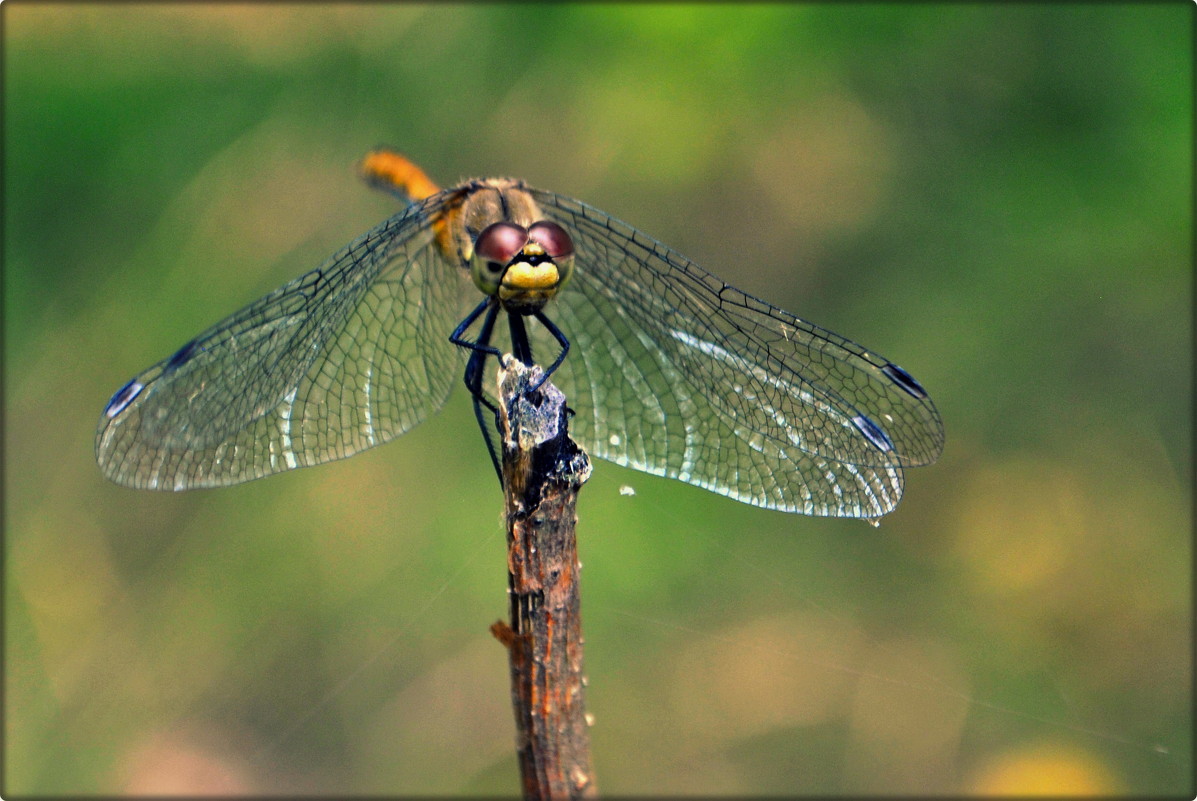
point(523, 267)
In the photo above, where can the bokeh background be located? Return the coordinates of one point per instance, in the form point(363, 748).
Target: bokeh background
point(996, 197)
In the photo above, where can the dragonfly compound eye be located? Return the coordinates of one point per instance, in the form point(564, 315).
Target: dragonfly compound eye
point(500, 242)
point(494, 249)
point(557, 245)
point(553, 238)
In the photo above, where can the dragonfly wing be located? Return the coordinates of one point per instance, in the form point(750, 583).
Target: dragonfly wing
point(346, 357)
point(675, 373)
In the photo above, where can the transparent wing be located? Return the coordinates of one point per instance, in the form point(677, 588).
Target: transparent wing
point(673, 372)
point(344, 358)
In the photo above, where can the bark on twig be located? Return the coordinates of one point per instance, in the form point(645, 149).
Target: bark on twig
point(542, 472)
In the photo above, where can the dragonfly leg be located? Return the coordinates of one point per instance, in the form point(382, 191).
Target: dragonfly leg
point(491, 307)
point(475, 370)
point(560, 337)
point(473, 381)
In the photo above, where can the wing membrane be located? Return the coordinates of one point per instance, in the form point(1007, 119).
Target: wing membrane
point(344, 358)
point(672, 372)
point(678, 374)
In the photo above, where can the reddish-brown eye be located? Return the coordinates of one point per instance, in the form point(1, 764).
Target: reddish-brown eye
point(553, 238)
point(500, 242)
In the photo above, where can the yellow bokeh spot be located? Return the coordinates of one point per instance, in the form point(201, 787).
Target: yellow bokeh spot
point(1046, 771)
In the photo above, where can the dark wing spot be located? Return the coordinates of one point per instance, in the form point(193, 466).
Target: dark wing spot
point(182, 356)
point(123, 397)
point(905, 380)
point(873, 433)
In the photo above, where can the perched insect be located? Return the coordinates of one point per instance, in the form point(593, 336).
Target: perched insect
point(671, 371)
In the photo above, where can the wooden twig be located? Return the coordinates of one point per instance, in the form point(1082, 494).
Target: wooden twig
point(543, 469)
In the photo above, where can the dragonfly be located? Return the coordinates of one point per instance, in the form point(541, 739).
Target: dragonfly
point(667, 369)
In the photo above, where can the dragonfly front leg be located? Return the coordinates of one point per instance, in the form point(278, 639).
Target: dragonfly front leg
point(475, 369)
point(561, 338)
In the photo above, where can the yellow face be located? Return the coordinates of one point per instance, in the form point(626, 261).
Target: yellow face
point(514, 254)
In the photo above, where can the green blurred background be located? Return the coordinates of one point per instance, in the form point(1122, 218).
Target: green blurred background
point(998, 198)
